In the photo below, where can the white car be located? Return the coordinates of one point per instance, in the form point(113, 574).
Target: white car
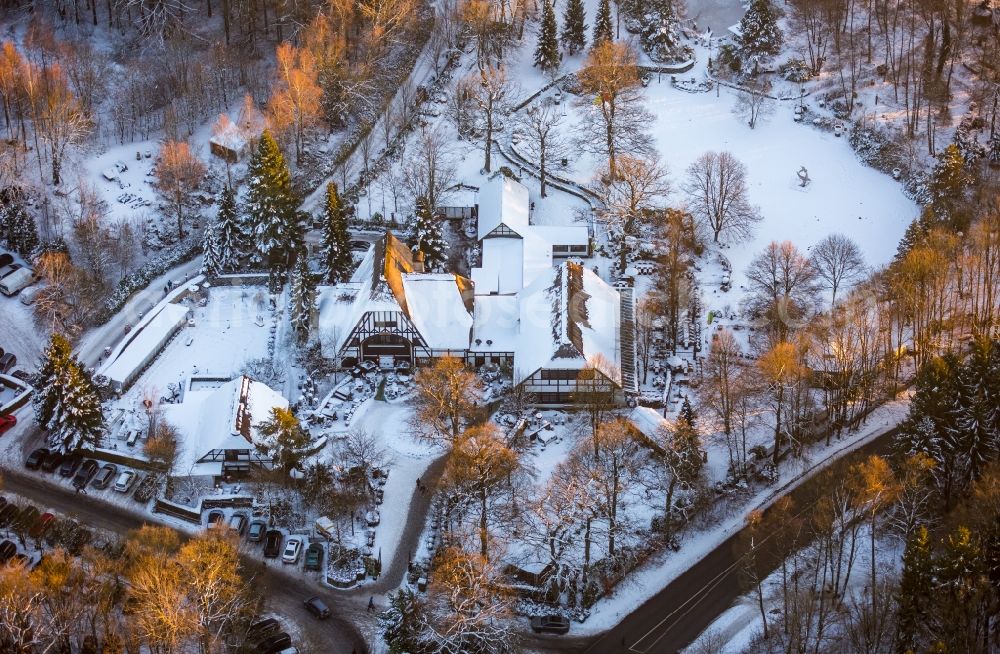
point(125, 481)
point(293, 547)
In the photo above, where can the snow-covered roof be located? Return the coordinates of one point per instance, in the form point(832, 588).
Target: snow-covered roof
point(437, 309)
point(502, 267)
point(386, 281)
point(223, 418)
point(495, 324)
point(503, 201)
point(569, 318)
point(230, 137)
point(563, 234)
point(145, 344)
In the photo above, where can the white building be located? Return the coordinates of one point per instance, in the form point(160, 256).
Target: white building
point(551, 321)
point(218, 423)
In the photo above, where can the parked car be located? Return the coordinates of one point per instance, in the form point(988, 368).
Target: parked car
point(69, 465)
point(7, 422)
point(293, 548)
point(8, 513)
point(314, 556)
point(256, 531)
point(9, 269)
point(6, 259)
point(215, 518)
point(52, 461)
point(27, 518)
point(145, 489)
point(274, 643)
point(42, 525)
point(16, 281)
point(85, 473)
point(7, 362)
point(7, 551)
point(104, 476)
point(238, 523)
point(272, 543)
point(35, 459)
point(263, 627)
point(125, 480)
point(550, 624)
point(317, 607)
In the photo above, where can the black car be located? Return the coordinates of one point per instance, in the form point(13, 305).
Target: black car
point(8, 513)
point(27, 517)
point(262, 628)
point(85, 473)
point(317, 607)
point(7, 362)
point(7, 551)
point(274, 643)
point(215, 518)
point(51, 461)
point(35, 459)
point(69, 465)
point(272, 543)
point(550, 624)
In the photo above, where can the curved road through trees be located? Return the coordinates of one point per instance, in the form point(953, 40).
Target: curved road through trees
point(673, 618)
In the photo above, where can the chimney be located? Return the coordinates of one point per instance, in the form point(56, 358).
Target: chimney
point(418, 261)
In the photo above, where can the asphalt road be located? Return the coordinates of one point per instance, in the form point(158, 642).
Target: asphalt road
point(283, 592)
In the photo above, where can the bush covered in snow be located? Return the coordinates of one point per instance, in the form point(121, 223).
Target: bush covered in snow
point(660, 36)
point(876, 148)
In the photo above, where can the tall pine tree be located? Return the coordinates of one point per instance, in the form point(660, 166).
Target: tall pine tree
point(574, 31)
point(229, 233)
point(271, 205)
point(211, 259)
point(915, 591)
point(427, 237)
point(67, 403)
point(760, 35)
point(547, 50)
point(303, 300)
point(336, 239)
point(604, 27)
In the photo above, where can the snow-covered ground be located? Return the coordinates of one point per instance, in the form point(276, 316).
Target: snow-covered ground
point(659, 571)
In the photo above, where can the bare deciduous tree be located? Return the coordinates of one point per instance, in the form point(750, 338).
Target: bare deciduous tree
point(178, 172)
point(753, 101)
point(446, 397)
point(782, 288)
point(631, 194)
point(429, 166)
point(493, 93)
point(541, 122)
point(613, 119)
point(717, 192)
point(838, 261)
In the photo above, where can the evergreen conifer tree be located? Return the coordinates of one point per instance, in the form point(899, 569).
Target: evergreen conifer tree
point(336, 239)
point(914, 234)
point(271, 205)
point(547, 50)
point(604, 27)
point(303, 300)
point(687, 414)
point(760, 35)
point(67, 403)
point(229, 233)
point(947, 185)
point(27, 235)
point(915, 590)
point(574, 31)
point(427, 237)
point(211, 260)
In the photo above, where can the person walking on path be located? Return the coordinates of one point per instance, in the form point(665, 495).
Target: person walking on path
point(371, 604)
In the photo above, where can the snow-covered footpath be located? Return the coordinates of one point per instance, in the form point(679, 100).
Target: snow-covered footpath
point(662, 569)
